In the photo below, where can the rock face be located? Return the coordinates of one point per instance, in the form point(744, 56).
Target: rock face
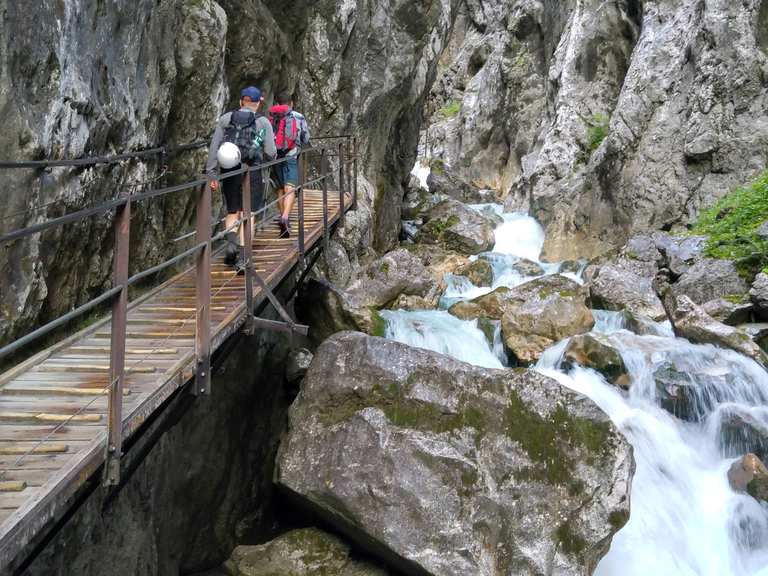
point(136, 74)
point(305, 552)
point(479, 272)
point(710, 279)
point(395, 444)
point(604, 118)
point(329, 309)
point(691, 322)
point(457, 227)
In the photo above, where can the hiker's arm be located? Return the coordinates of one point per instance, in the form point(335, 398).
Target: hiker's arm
point(218, 136)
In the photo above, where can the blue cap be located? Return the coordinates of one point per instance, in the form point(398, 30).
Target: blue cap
point(251, 92)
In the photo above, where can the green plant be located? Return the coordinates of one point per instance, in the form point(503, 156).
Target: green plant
point(451, 109)
point(731, 226)
point(597, 130)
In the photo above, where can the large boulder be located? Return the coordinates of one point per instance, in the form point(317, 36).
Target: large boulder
point(759, 296)
point(329, 309)
point(731, 311)
point(542, 312)
point(615, 287)
point(457, 227)
point(691, 322)
point(303, 552)
point(447, 469)
point(710, 279)
point(479, 272)
point(443, 182)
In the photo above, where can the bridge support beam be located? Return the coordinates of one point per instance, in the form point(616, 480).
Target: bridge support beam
point(202, 383)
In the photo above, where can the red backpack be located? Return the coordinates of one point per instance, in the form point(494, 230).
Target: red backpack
point(285, 124)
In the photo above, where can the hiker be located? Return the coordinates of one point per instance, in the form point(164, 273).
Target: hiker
point(291, 135)
point(243, 136)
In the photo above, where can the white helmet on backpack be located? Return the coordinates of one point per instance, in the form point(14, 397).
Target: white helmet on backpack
point(228, 155)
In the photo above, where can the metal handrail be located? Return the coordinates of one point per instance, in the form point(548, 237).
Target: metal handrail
point(202, 249)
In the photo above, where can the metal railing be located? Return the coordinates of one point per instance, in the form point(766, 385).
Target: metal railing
point(345, 172)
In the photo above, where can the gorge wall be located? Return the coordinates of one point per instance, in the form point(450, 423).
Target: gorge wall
point(82, 78)
point(604, 117)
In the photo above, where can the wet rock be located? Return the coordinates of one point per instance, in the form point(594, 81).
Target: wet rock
point(732, 311)
point(479, 272)
point(615, 288)
point(758, 332)
point(749, 475)
point(297, 364)
point(759, 296)
point(594, 352)
point(572, 267)
point(540, 313)
point(710, 279)
point(404, 302)
point(329, 309)
point(393, 444)
point(741, 431)
point(444, 183)
point(458, 228)
point(528, 268)
point(676, 390)
point(691, 322)
point(304, 552)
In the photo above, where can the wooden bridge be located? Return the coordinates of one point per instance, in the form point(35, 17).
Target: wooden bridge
point(66, 411)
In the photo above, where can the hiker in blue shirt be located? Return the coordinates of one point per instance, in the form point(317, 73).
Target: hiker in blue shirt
point(243, 136)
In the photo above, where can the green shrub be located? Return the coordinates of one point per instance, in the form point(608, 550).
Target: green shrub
point(731, 227)
point(597, 130)
point(451, 109)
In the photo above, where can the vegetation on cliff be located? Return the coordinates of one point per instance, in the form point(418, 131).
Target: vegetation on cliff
point(733, 224)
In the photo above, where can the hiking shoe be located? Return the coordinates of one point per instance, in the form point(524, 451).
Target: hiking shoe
point(240, 263)
point(230, 254)
point(285, 227)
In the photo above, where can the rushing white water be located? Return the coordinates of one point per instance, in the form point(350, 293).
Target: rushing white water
point(685, 519)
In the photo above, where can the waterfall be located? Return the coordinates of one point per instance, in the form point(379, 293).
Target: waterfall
point(691, 410)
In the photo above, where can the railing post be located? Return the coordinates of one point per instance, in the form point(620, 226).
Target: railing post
point(324, 173)
point(355, 173)
point(117, 345)
point(248, 243)
point(300, 192)
point(202, 384)
point(342, 215)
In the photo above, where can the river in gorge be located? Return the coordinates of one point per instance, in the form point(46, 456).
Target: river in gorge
point(685, 518)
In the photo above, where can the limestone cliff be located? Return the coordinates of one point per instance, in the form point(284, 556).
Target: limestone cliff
point(82, 78)
point(604, 117)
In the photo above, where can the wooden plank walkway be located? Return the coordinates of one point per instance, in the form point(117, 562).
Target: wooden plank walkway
point(71, 378)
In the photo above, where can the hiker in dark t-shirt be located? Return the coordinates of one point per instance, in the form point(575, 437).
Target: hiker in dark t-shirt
point(248, 120)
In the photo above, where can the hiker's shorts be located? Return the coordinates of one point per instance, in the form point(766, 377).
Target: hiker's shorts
point(232, 188)
point(287, 173)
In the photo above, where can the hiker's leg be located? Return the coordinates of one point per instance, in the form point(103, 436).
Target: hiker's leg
point(289, 199)
point(257, 197)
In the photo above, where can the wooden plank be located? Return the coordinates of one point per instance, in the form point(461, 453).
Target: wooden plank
point(12, 486)
point(81, 368)
point(45, 448)
point(45, 417)
point(105, 350)
point(56, 390)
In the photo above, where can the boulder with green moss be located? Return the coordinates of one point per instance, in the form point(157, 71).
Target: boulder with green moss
point(749, 475)
point(442, 468)
point(329, 309)
point(303, 552)
point(457, 227)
